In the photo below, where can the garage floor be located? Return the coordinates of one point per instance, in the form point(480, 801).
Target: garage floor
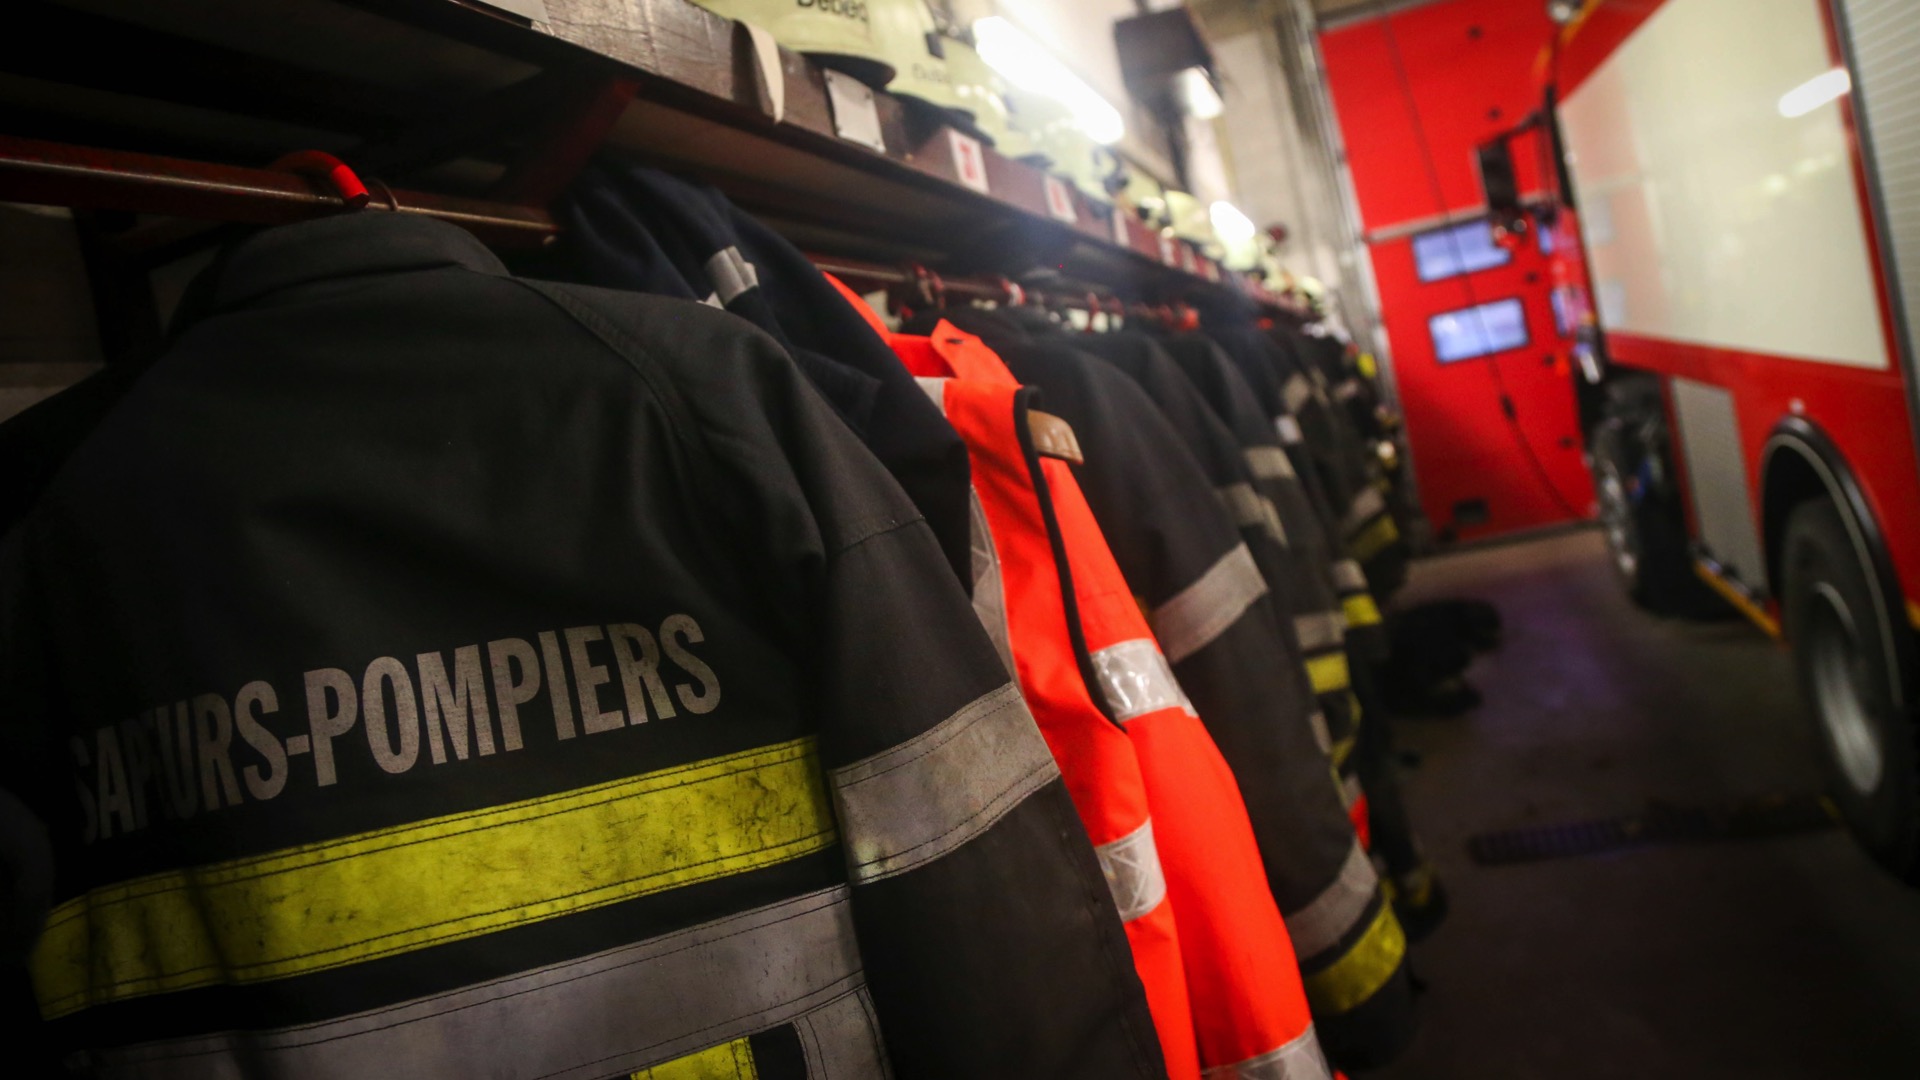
point(1789, 956)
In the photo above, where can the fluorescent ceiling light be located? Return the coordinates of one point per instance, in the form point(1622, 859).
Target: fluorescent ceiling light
point(1229, 224)
point(1815, 92)
point(1202, 101)
point(1023, 62)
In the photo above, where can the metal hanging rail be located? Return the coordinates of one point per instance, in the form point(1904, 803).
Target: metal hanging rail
point(83, 178)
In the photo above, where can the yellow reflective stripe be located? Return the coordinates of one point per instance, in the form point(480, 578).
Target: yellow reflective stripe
point(1349, 981)
point(1374, 539)
point(728, 1061)
point(395, 890)
point(1342, 750)
point(1360, 610)
point(1328, 672)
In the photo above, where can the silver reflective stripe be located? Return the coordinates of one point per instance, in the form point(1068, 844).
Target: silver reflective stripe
point(1203, 610)
point(1297, 392)
point(1337, 910)
point(1348, 576)
point(1250, 509)
point(989, 592)
point(1366, 506)
point(841, 1040)
point(1350, 790)
point(909, 805)
point(1135, 680)
point(935, 389)
point(1347, 390)
point(1132, 867)
point(1299, 1059)
point(1321, 630)
point(1289, 431)
point(1321, 736)
point(1271, 462)
point(602, 1015)
point(731, 274)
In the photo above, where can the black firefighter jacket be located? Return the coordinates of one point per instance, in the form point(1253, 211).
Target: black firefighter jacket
point(422, 672)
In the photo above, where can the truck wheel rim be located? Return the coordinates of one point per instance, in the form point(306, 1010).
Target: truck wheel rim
point(1617, 520)
point(1840, 679)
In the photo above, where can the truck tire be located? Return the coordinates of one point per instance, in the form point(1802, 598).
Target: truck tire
point(1645, 531)
point(1845, 676)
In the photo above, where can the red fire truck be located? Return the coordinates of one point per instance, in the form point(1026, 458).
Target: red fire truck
point(1733, 188)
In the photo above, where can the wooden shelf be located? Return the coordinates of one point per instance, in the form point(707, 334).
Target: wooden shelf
point(460, 98)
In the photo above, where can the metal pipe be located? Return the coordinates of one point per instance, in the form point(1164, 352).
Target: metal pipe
point(57, 174)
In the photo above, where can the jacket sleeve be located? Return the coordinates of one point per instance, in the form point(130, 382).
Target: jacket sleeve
point(989, 937)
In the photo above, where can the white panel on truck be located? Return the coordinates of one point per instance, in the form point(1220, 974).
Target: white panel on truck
point(1732, 223)
point(1717, 479)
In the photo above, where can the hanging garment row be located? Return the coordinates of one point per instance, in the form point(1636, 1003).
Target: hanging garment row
point(651, 663)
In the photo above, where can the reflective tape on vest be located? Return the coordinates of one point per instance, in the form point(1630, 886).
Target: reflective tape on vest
point(1333, 914)
point(1366, 506)
point(1252, 510)
point(1132, 868)
point(1351, 791)
point(330, 904)
point(1329, 673)
point(1202, 611)
point(989, 592)
point(1289, 430)
point(1320, 630)
point(1299, 1059)
point(1374, 539)
point(728, 1061)
point(918, 800)
point(1135, 680)
point(609, 1013)
point(1360, 610)
point(1270, 463)
point(1297, 393)
point(1321, 735)
point(731, 274)
point(1348, 577)
point(1350, 981)
point(935, 389)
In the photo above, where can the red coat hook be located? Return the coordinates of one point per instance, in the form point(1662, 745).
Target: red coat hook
point(338, 174)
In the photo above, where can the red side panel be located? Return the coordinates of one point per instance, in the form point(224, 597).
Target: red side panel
point(1470, 64)
point(1463, 445)
point(1863, 412)
point(1472, 69)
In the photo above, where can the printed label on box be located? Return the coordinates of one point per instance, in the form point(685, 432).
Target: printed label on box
point(1060, 200)
point(969, 161)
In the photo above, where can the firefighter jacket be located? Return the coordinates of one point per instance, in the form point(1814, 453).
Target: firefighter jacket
point(1367, 524)
point(1372, 537)
point(1249, 1014)
point(425, 672)
point(1206, 601)
point(1298, 586)
point(635, 228)
point(1318, 617)
point(1260, 364)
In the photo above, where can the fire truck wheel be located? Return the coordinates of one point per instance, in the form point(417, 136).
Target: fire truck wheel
point(1845, 675)
point(1646, 535)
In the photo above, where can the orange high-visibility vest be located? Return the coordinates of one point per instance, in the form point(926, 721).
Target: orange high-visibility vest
point(1019, 594)
point(1250, 1014)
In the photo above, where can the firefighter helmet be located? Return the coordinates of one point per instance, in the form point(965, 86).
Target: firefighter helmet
point(841, 34)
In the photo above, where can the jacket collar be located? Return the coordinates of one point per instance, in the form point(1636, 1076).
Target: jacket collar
point(344, 245)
